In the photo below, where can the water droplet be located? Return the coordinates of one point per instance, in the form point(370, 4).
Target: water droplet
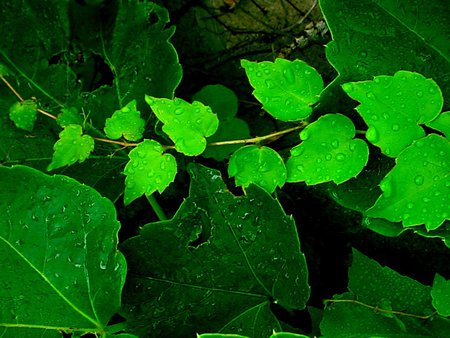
point(370, 95)
point(269, 84)
point(410, 205)
point(386, 187)
point(395, 127)
point(418, 180)
point(340, 157)
point(335, 144)
point(289, 75)
point(328, 157)
point(419, 93)
point(300, 168)
point(102, 265)
point(372, 135)
point(304, 135)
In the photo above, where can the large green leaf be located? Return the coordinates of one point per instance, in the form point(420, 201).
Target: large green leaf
point(416, 190)
point(287, 89)
point(380, 37)
point(441, 295)
point(215, 266)
point(394, 107)
point(61, 270)
point(382, 303)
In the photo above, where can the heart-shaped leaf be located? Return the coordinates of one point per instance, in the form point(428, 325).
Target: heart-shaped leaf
point(127, 122)
point(23, 114)
point(287, 89)
point(328, 152)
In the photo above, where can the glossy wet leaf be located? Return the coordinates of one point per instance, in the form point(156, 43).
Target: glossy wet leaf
point(287, 89)
point(328, 152)
point(258, 165)
point(394, 107)
point(416, 190)
point(23, 114)
point(61, 270)
point(148, 170)
point(222, 100)
point(381, 37)
point(139, 52)
point(383, 290)
point(71, 147)
point(125, 122)
point(441, 123)
point(187, 124)
point(210, 268)
point(69, 115)
point(441, 295)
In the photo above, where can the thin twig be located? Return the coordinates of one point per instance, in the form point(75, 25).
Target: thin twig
point(124, 144)
point(377, 309)
point(46, 113)
point(303, 18)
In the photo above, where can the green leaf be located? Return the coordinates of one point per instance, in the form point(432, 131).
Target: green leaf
point(71, 147)
point(394, 106)
point(61, 270)
point(4, 70)
point(23, 114)
point(287, 335)
point(381, 37)
point(416, 190)
point(287, 89)
point(222, 100)
point(69, 115)
point(441, 123)
point(367, 311)
point(148, 170)
point(441, 295)
point(211, 267)
point(220, 335)
point(127, 122)
point(229, 130)
point(186, 124)
point(259, 165)
point(328, 152)
point(139, 52)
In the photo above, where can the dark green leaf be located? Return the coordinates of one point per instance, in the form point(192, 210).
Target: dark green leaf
point(23, 114)
point(61, 270)
point(215, 265)
point(441, 295)
point(222, 100)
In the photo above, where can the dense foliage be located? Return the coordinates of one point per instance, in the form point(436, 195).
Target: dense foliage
point(91, 129)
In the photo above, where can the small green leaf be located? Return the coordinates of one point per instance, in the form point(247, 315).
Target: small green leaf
point(69, 115)
point(127, 122)
point(71, 147)
point(23, 114)
point(441, 123)
point(259, 165)
point(186, 124)
point(416, 190)
point(394, 106)
point(287, 335)
point(148, 170)
point(61, 270)
point(328, 152)
point(287, 89)
point(441, 295)
point(229, 130)
point(222, 100)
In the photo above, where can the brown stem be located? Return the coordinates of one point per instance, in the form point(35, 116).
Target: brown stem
point(124, 144)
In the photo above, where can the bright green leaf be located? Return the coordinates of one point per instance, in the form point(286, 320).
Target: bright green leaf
point(328, 152)
point(61, 270)
point(210, 267)
point(416, 190)
point(441, 123)
point(23, 114)
point(125, 122)
point(287, 89)
point(71, 147)
point(148, 170)
point(394, 106)
point(259, 165)
point(69, 115)
point(229, 130)
point(287, 335)
point(186, 124)
point(441, 295)
point(222, 100)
